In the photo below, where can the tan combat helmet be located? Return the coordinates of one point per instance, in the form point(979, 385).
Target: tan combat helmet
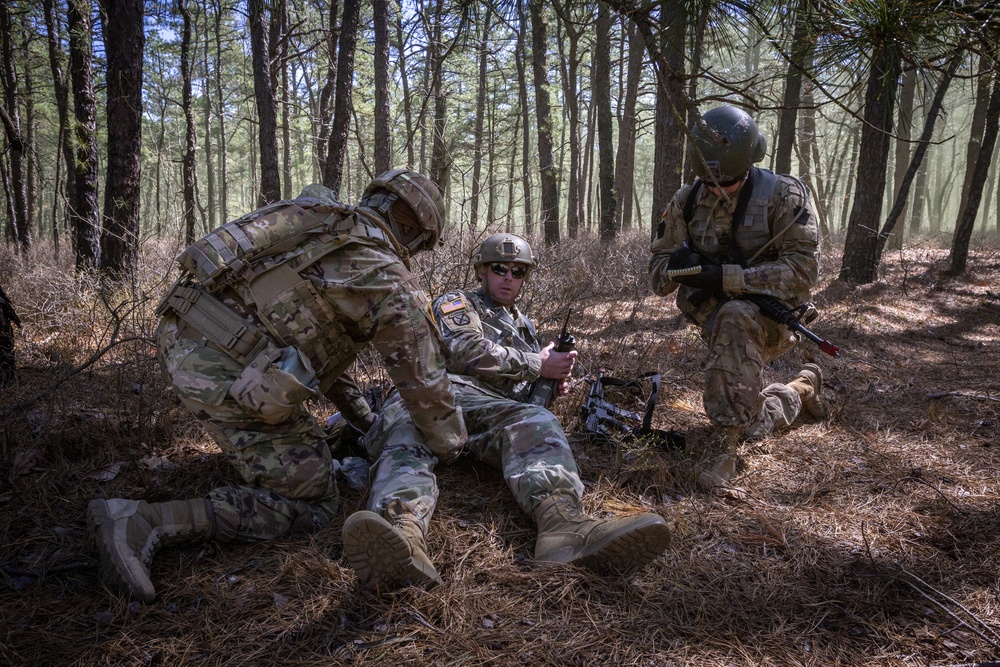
point(420, 193)
point(504, 247)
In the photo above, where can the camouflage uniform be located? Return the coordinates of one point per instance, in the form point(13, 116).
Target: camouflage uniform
point(336, 285)
point(493, 361)
point(780, 243)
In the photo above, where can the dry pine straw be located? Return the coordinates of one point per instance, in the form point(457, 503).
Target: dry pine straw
point(868, 538)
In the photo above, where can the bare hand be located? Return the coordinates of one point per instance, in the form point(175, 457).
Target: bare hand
point(556, 365)
point(365, 423)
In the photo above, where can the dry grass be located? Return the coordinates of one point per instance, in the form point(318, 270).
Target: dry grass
point(870, 538)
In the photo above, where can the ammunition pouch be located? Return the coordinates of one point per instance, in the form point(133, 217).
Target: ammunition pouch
point(274, 383)
point(214, 320)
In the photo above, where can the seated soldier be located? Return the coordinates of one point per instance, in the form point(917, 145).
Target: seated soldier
point(494, 358)
point(269, 312)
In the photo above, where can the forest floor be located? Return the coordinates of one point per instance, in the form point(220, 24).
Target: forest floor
point(871, 537)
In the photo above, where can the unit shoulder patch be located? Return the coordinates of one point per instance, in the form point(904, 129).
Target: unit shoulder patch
point(460, 319)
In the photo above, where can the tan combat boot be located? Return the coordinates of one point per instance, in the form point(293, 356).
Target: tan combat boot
point(808, 383)
point(128, 532)
point(719, 464)
point(567, 535)
point(388, 553)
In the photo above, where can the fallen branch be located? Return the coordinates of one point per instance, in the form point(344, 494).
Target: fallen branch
point(962, 394)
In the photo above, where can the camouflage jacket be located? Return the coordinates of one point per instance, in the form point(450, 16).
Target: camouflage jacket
point(490, 347)
point(336, 285)
point(778, 238)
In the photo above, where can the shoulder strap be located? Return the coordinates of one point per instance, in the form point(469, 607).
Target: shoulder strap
point(690, 201)
point(746, 192)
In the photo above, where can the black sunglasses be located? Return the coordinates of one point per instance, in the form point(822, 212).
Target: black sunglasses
point(517, 271)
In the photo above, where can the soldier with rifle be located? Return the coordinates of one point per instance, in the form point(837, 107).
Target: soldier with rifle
point(494, 362)
point(740, 246)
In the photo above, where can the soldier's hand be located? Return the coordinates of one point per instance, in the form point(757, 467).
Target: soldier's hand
point(556, 365)
point(683, 258)
point(709, 279)
point(365, 423)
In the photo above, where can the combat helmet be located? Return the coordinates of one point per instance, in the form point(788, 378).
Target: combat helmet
point(503, 247)
point(416, 190)
point(729, 142)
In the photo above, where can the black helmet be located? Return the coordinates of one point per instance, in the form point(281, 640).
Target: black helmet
point(502, 247)
point(419, 192)
point(729, 142)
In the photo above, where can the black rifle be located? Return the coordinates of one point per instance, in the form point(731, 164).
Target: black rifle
point(545, 390)
point(791, 318)
point(771, 307)
point(602, 418)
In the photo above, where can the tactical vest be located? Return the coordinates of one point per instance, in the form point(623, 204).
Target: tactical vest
point(502, 327)
point(260, 256)
point(750, 233)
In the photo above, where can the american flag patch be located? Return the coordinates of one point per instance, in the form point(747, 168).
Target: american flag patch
point(452, 306)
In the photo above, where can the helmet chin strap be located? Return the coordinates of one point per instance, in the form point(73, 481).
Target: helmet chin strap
point(390, 228)
point(382, 203)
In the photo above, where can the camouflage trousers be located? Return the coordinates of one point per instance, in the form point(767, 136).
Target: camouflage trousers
point(741, 341)
point(287, 468)
point(524, 441)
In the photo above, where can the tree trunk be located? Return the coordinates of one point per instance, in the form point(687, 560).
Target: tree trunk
point(543, 113)
point(263, 92)
point(324, 118)
point(963, 230)
point(11, 116)
point(668, 138)
point(8, 318)
point(477, 136)
point(571, 94)
point(221, 106)
point(862, 229)
point(343, 100)
point(625, 162)
point(187, 160)
point(279, 21)
point(383, 138)
point(84, 214)
point(441, 160)
point(984, 79)
point(904, 128)
point(207, 125)
point(852, 163)
point(61, 90)
point(122, 23)
point(522, 94)
point(808, 168)
point(698, 22)
point(605, 124)
point(31, 167)
point(801, 60)
point(903, 189)
point(404, 78)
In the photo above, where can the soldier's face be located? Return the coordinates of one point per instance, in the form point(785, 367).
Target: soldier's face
point(730, 190)
point(503, 290)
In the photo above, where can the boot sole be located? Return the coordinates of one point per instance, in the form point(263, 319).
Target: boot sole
point(380, 556)
point(112, 563)
point(631, 551)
